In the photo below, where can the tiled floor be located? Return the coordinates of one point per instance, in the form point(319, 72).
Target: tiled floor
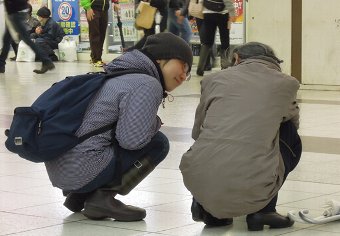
point(29, 205)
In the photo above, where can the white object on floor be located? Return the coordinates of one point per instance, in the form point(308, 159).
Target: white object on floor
point(294, 215)
point(332, 208)
point(317, 220)
point(67, 49)
point(332, 213)
point(25, 53)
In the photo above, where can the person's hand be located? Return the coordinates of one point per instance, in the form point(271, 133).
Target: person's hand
point(232, 18)
point(38, 30)
point(90, 14)
point(180, 18)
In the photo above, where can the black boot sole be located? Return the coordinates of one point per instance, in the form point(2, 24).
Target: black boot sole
point(96, 213)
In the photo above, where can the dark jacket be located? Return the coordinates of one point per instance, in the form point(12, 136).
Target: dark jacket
point(161, 5)
point(13, 6)
point(52, 33)
point(182, 5)
point(176, 4)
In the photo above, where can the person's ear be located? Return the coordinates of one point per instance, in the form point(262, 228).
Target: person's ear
point(160, 63)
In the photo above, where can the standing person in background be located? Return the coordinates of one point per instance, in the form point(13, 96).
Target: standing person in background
point(17, 14)
point(97, 18)
point(211, 58)
point(178, 22)
point(212, 20)
point(162, 7)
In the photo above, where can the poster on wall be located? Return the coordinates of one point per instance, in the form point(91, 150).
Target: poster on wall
point(127, 17)
point(237, 28)
point(66, 14)
point(195, 35)
point(84, 26)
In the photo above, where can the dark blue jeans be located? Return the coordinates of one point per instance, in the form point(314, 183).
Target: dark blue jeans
point(17, 20)
point(157, 150)
point(183, 30)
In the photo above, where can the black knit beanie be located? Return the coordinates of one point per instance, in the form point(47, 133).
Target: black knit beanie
point(44, 12)
point(168, 46)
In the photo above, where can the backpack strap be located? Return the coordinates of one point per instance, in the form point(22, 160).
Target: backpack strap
point(111, 126)
point(118, 72)
point(97, 131)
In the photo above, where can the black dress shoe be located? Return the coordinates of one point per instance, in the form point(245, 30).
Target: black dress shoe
point(199, 73)
point(200, 215)
point(256, 221)
point(45, 67)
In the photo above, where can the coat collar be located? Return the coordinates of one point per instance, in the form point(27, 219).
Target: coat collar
point(269, 62)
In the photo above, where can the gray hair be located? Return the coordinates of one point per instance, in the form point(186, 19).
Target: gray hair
point(255, 49)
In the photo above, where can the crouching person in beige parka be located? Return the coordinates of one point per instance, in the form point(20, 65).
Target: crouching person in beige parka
point(246, 141)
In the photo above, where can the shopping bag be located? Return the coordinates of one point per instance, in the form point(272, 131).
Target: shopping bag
point(145, 15)
point(25, 53)
point(67, 49)
point(196, 9)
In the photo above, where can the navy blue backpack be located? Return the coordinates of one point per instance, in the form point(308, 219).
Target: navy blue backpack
point(47, 129)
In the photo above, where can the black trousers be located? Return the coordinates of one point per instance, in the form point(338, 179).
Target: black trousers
point(97, 32)
point(291, 149)
point(211, 22)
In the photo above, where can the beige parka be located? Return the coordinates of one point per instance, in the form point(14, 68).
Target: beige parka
point(235, 166)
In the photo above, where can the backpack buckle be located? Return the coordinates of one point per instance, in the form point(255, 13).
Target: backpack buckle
point(138, 164)
point(18, 141)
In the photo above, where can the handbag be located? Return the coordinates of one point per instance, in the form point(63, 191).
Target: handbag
point(196, 9)
point(145, 15)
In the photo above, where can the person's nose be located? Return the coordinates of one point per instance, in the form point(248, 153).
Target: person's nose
point(183, 77)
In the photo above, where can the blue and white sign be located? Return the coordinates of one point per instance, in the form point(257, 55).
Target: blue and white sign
point(66, 13)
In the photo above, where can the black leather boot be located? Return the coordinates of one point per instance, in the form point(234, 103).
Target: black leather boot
point(133, 176)
point(199, 214)
point(257, 220)
point(210, 61)
point(45, 67)
point(102, 204)
point(225, 63)
point(204, 55)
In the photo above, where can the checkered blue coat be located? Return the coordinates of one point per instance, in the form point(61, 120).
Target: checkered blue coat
point(132, 100)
